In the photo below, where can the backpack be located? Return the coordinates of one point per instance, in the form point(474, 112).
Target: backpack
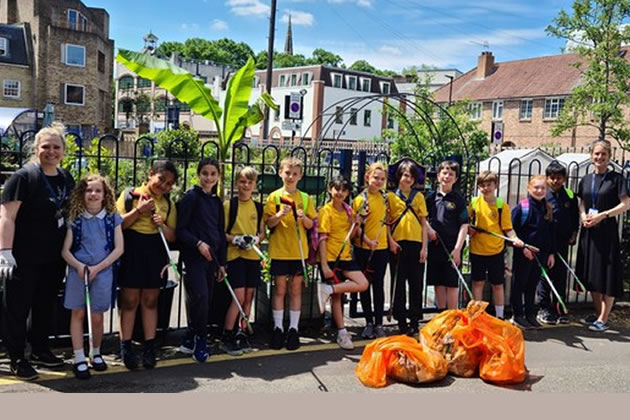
point(234, 211)
point(408, 202)
point(130, 195)
point(475, 207)
point(525, 211)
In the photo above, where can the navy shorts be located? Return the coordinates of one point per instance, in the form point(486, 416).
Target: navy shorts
point(342, 266)
point(440, 271)
point(243, 273)
point(286, 268)
point(492, 265)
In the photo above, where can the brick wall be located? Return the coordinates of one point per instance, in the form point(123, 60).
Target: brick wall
point(23, 74)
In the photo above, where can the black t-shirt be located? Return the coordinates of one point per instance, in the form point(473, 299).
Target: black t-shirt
point(608, 188)
point(38, 238)
point(447, 213)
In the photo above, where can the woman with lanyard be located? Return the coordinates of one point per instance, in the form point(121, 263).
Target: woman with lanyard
point(603, 195)
point(32, 230)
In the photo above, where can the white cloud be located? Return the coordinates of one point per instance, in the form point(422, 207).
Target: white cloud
point(248, 7)
point(219, 25)
point(298, 18)
point(362, 3)
point(388, 49)
point(190, 26)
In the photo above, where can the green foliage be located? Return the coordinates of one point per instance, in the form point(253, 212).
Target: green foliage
point(221, 51)
point(172, 144)
point(364, 66)
point(602, 96)
point(426, 141)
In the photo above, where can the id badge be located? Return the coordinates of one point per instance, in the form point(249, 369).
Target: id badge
point(60, 222)
point(592, 212)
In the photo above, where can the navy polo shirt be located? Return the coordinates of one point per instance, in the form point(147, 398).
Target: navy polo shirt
point(566, 217)
point(447, 213)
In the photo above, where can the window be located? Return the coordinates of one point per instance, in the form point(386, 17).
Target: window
point(339, 115)
point(143, 104)
point(74, 55)
point(306, 78)
point(183, 106)
point(336, 80)
point(255, 81)
point(353, 116)
point(73, 19)
point(367, 118)
point(276, 114)
point(84, 23)
point(526, 109)
point(125, 82)
point(283, 80)
point(390, 122)
point(11, 89)
point(385, 88)
point(497, 110)
point(553, 106)
point(101, 62)
point(294, 80)
point(4, 46)
point(352, 82)
point(475, 109)
point(366, 85)
point(125, 106)
point(160, 104)
point(143, 83)
point(74, 94)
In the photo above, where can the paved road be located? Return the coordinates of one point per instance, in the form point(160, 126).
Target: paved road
point(560, 359)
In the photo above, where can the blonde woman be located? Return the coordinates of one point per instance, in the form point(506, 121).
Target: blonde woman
point(32, 231)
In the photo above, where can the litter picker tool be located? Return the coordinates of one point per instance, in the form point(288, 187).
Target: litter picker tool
point(171, 262)
point(346, 240)
point(378, 235)
point(250, 241)
point(560, 306)
point(506, 238)
point(393, 293)
point(244, 317)
point(566, 264)
point(291, 203)
point(459, 273)
point(88, 307)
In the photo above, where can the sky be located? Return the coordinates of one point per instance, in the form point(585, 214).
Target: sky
point(389, 34)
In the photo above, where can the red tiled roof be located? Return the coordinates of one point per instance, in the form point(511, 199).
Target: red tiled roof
point(534, 77)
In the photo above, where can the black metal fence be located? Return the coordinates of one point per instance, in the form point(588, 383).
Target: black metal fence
point(319, 167)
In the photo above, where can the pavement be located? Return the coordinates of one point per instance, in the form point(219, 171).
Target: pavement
point(567, 358)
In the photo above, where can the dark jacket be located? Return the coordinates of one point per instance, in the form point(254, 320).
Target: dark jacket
point(537, 228)
point(566, 214)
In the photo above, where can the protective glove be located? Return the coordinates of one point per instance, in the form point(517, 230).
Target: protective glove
point(7, 264)
point(240, 242)
point(250, 240)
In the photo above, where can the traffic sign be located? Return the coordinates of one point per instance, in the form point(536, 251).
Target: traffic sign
point(293, 106)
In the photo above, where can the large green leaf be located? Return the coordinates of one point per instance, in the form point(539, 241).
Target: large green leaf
point(177, 81)
point(236, 102)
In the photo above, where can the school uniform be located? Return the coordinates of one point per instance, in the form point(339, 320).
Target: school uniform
point(407, 231)
point(599, 250)
point(284, 248)
point(446, 214)
point(334, 225)
point(487, 251)
point(200, 218)
point(243, 265)
point(93, 249)
point(379, 206)
point(37, 243)
point(566, 221)
point(534, 226)
point(144, 256)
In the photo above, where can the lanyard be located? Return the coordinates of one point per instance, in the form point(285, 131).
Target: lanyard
point(595, 193)
point(58, 199)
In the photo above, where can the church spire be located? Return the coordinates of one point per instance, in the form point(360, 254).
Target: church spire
point(288, 43)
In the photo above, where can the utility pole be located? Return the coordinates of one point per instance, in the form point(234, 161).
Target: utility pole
point(272, 32)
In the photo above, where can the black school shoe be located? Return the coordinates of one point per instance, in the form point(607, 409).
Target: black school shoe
point(148, 355)
point(46, 358)
point(22, 369)
point(293, 339)
point(128, 356)
point(277, 339)
point(81, 374)
point(531, 318)
point(98, 363)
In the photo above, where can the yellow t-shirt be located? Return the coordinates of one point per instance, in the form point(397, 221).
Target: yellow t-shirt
point(283, 243)
point(487, 217)
point(245, 224)
point(144, 224)
point(336, 224)
point(408, 228)
point(374, 220)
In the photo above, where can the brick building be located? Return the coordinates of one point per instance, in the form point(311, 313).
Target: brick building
point(72, 61)
point(521, 99)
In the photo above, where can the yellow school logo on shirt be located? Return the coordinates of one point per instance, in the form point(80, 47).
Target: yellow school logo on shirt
point(494, 214)
point(450, 205)
point(253, 216)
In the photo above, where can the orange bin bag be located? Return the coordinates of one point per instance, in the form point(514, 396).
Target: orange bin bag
point(503, 348)
point(402, 358)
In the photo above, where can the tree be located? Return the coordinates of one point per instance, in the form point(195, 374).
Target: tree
point(602, 96)
point(165, 49)
point(362, 65)
point(325, 58)
point(221, 51)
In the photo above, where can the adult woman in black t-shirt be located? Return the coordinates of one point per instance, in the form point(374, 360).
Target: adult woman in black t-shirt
point(603, 195)
point(32, 230)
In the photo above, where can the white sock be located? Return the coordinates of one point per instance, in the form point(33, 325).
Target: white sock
point(79, 356)
point(498, 309)
point(278, 317)
point(95, 351)
point(329, 289)
point(294, 319)
point(342, 331)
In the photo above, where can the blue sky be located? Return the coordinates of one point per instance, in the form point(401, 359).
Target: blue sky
point(390, 34)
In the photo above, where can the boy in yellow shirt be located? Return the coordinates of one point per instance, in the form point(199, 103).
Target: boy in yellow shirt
point(284, 249)
point(486, 251)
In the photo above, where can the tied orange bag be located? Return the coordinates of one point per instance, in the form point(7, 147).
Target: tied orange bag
point(402, 358)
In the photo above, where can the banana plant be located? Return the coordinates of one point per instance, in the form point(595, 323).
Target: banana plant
point(231, 120)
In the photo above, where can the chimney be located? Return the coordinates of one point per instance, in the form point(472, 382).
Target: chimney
point(485, 65)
